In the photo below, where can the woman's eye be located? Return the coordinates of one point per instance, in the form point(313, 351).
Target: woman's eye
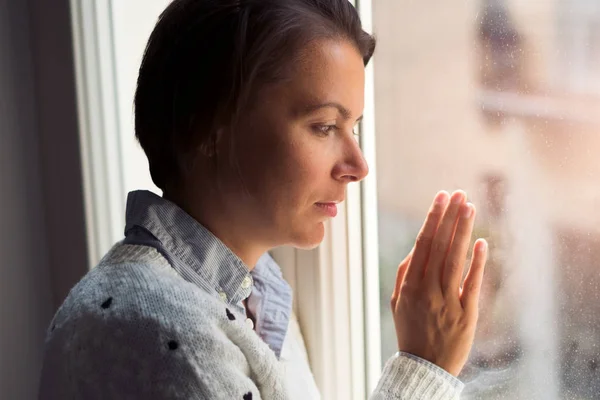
point(325, 130)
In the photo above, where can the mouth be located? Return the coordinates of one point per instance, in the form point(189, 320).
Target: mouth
point(329, 208)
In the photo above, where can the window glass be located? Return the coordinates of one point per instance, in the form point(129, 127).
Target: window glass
point(500, 98)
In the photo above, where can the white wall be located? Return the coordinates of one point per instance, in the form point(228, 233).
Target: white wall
point(42, 241)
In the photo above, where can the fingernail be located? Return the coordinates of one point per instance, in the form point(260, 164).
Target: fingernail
point(467, 210)
point(441, 197)
point(483, 246)
point(458, 197)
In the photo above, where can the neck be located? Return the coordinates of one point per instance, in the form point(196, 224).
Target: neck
point(210, 210)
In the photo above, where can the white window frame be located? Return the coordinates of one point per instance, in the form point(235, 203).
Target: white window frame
point(336, 286)
point(98, 125)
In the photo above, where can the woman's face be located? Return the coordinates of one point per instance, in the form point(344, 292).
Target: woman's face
point(296, 149)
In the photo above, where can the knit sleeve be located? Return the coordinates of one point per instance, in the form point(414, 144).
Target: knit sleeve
point(163, 347)
point(406, 377)
point(143, 361)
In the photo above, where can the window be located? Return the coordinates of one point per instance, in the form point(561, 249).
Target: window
point(579, 46)
point(497, 97)
point(500, 98)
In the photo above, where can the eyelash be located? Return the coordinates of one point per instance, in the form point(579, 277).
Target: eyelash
point(325, 130)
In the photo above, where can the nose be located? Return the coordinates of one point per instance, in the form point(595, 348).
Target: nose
point(352, 167)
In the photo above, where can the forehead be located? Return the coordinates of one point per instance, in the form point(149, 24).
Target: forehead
point(324, 71)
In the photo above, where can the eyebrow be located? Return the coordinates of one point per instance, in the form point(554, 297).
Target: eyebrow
point(345, 113)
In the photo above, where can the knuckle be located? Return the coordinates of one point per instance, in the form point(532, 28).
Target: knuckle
point(408, 290)
point(470, 288)
point(393, 302)
point(455, 323)
point(453, 266)
point(444, 312)
point(424, 240)
point(452, 317)
point(440, 246)
point(429, 303)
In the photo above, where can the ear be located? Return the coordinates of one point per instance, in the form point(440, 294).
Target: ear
point(207, 148)
point(210, 147)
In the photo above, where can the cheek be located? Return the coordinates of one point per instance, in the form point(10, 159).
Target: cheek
point(288, 179)
point(304, 169)
point(286, 170)
point(269, 174)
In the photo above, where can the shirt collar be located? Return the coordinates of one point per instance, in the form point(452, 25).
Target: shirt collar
point(189, 241)
point(271, 303)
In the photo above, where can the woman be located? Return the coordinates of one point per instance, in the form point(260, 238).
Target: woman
point(246, 111)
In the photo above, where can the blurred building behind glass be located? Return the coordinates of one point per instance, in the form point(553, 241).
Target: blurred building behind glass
point(500, 98)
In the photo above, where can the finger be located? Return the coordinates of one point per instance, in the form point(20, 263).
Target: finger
point(472, 286)
point(443, 239)
point(455, 261)
point(400, 275)
point(425, 238)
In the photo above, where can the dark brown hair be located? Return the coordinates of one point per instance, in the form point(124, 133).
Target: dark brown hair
point(205, 58)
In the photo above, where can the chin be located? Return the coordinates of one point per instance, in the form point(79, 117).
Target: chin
point(309, 238)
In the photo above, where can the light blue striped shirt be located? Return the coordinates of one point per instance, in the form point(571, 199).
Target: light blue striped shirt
point(202, 259)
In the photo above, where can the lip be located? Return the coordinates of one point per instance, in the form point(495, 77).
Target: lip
point(329, 208)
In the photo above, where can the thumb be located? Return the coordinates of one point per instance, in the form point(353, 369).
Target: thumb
point(400, 275)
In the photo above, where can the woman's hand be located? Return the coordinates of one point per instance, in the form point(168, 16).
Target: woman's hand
point(435, 318)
